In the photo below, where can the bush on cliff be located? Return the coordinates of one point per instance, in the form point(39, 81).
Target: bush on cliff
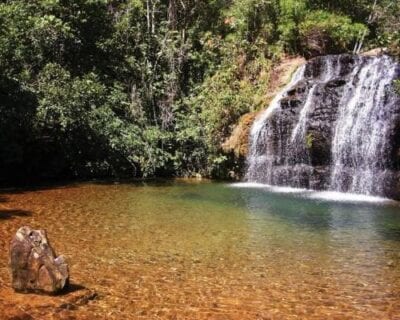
point(323, 32)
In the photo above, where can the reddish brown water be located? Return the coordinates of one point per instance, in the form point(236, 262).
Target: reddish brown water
point(180, 250)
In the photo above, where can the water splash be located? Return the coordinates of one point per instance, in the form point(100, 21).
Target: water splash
point(331, 196)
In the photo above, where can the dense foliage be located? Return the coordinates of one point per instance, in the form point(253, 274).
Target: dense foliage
point(99, 88)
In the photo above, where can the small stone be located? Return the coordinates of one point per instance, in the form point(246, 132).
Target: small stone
point(34, 265)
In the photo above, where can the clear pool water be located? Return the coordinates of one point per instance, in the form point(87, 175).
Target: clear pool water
point(203, 250)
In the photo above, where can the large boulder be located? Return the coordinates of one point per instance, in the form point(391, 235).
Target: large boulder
point(34, 265)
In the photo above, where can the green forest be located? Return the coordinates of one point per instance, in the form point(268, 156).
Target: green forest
point(145, 88)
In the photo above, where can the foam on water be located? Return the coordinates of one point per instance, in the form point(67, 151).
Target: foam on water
point(277, 189)
point(316, 195)
point(347, 197)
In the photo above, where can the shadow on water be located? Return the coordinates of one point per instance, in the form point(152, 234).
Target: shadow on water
point(71, 288)
point(390, 232)
point(6, 213)
point(155, 182)
point(11, 213)
point(32, 188)
point(388, 225)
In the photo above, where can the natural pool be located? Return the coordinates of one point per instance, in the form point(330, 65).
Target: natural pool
point(202, 250)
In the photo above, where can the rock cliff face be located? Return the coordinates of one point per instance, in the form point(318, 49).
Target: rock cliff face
point(237, 144)
point(336, 126)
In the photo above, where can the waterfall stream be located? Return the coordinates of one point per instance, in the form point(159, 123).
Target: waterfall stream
point(335, 126)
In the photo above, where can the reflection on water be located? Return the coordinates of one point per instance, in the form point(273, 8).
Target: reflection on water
point(184, 250)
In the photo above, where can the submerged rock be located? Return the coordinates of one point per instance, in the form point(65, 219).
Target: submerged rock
point(34, 265)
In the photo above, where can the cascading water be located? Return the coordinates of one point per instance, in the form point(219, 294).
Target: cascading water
point(335, 126)
point(361, 145)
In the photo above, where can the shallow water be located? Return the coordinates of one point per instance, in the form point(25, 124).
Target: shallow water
point(202, 250)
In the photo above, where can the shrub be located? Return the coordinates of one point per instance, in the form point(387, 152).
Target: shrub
point(327, 33)
point(397, 86)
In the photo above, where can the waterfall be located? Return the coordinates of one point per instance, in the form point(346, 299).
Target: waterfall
point(260, 164)
point(335, 126)
point(361, 144)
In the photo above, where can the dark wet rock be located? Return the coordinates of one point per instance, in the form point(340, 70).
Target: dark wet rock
point(336, 83)
point(34, 264)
